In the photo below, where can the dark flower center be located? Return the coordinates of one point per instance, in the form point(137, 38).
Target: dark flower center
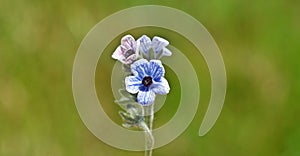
point(147, 81)
point(129, 53)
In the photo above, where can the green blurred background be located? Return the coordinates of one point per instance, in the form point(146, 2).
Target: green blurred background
point(260, 44)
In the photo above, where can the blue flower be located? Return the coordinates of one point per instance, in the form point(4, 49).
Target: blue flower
point(147, 80)
point(158, 45)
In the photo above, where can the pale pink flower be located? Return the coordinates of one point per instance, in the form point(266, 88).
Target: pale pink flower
point(127, 52)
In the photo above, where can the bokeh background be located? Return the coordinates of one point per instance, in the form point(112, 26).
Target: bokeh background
point(260, 44)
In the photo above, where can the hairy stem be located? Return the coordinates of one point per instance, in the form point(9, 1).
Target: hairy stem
point(148, 130)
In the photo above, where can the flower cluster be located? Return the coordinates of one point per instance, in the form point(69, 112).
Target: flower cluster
point(147, 72)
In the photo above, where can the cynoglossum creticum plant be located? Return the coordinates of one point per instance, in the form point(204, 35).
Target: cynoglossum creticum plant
point(144, 79)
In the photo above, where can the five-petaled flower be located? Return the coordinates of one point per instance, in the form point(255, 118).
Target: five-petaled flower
point(127, 52)
point(148, 79)
point(158, 45)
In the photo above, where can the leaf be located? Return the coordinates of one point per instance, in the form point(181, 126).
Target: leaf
point(126, 97)
point(131, 119)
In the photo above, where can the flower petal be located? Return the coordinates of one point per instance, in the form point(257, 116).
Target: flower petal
point(156, 69)
point(130, 59)
point(140, 68)
point(159, 43)
point(166, 52)
point(161, 87)
point(118, 54)
point(128, 42)
point(146, 98)
point(132, 84)
point(145, 44)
